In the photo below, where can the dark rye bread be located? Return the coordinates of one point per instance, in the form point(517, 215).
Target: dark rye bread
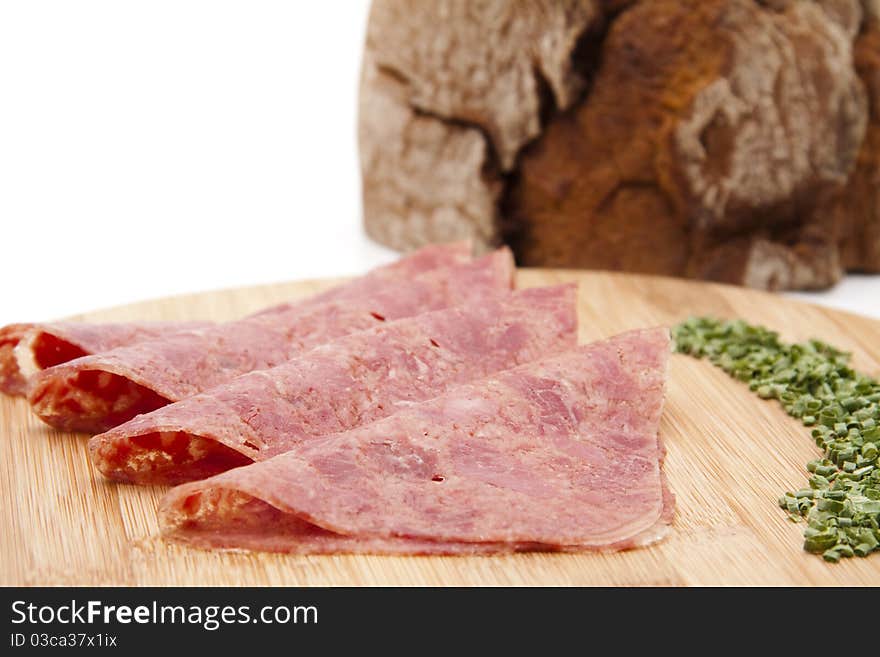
point(858, 208)
point(732, 140)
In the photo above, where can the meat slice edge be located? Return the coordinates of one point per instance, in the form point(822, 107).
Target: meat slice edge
point(563, 454)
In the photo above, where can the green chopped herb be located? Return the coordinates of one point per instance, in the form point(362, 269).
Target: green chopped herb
point(812, 381)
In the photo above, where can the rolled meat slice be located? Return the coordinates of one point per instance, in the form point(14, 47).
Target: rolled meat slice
point(559, 454)
point(26, 349)
point(98, 392)
point(343, 384)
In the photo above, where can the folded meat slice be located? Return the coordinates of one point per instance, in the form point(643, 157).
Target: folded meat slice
point(340, 385)
point(98, 392)
point(560, 454)
point(431, 259)
point(26, 349)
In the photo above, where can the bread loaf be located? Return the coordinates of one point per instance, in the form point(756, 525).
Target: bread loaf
point(732, 140)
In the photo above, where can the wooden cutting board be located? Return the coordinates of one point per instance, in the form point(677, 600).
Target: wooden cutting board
point(730, 455)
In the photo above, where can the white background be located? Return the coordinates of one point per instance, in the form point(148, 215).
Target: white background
point(154, 148)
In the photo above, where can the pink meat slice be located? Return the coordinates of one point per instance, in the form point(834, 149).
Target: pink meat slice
point(98, 392)
point(559, 454)
point(430, 259)
point(343, 384)
point(25, 349)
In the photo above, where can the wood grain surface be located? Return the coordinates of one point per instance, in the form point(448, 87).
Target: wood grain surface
point(730, 455)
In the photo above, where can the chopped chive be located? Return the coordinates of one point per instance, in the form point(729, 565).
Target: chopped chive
point(813, 382)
